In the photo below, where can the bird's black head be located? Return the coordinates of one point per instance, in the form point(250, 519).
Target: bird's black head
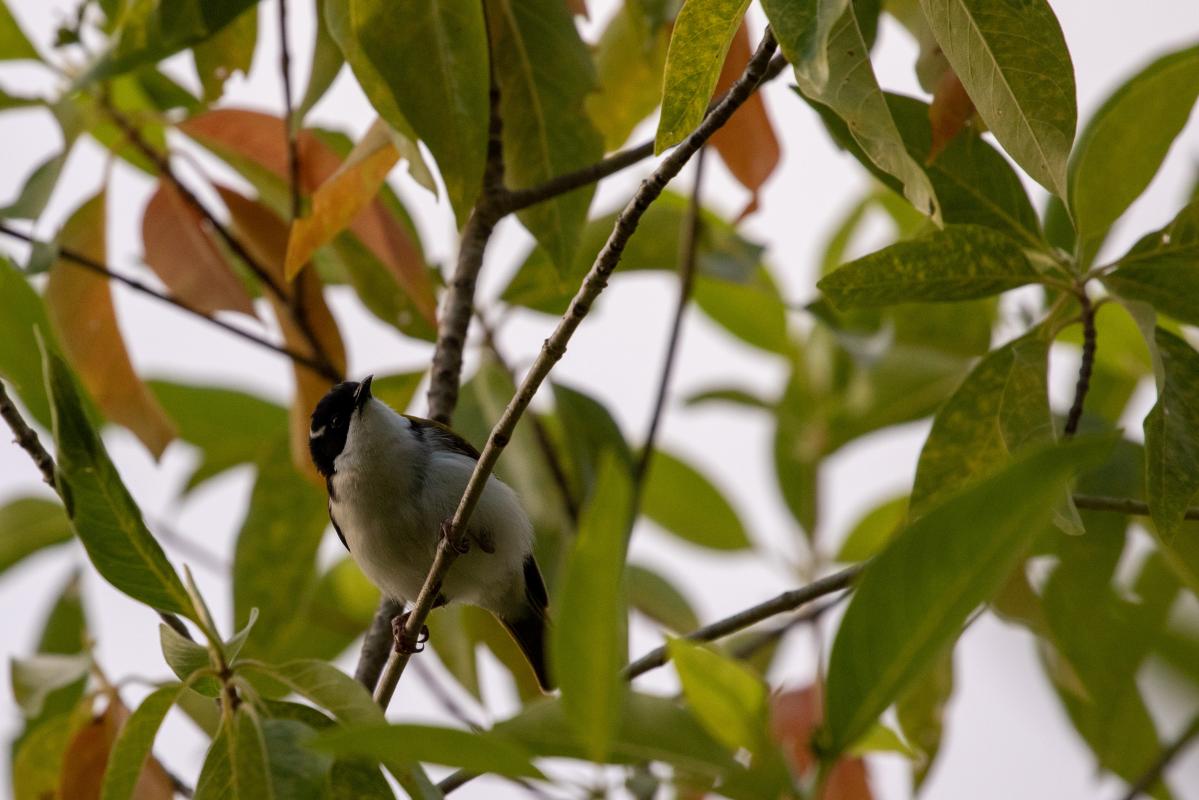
point(331, 422)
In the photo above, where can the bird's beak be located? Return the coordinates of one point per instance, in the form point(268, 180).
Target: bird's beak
point(364, 392)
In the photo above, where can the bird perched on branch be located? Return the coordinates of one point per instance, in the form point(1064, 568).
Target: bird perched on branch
point(393, 482)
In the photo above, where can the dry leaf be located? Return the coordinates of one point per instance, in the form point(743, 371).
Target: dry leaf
point(261, 138)
point(949, 112)
point(265, 235)
point(183, 254)
point(578, 8)
point(86, 760)
point(794, 717)
point(81, 309)
point(746, 143)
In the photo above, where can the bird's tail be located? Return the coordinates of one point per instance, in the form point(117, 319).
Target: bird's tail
point(530, 628)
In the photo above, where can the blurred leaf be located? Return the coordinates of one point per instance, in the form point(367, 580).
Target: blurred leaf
point(275, 557)
point(921, 714)
point(961, 262)
point(1125, 142)
point(184, 256)
point(455, 646)
point(629, 62)
point(803, 30)
point(794, 717)
point(1163, 268)
point(590, 641)
point(798, 448)
point(1014, 64)
point(128, 97)
point(733, 395)
point(236, 764)
point(21, 313)
point(1001, 407)
point(481, 752)
point(323, 684)
point(35, 677)
point(333, 612)
point(684, 502)
point(873, 530)
point(947, 563)
point(482, 627)
point(35, 193)
point(398, 389)
point(81, 308)
point(185, 657)
point(703, 32)
point(657, 598)
point(326, 64)
point(448, 108)
point(131, 750)
point(14, 44)
point(150, 31)
point(728, 698)
point(746, 143)
point(544, 73)
point(1172, 435)
point(30, 524)
point(949, 113)
point(38, 758)
point(86, 760)
point(752, 311)
point(205, 712)
point(103, 515)
point(852, 92)
point(590, 432)
point(230, 50)
point(296, 772)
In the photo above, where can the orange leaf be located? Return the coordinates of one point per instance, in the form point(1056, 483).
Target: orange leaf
point(949, 112)
point(261, 138)
point(578, 8)
point(86, 759)
point(265, 236)
point(794, 717)
point(182, 253)
point(746, 143)
point(81, 309)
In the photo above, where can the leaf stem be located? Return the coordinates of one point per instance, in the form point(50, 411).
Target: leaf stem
point(1089, 342)
point(1122, 505)
point(293, 150)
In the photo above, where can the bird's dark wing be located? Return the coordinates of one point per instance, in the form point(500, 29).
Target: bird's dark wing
point(443, 435)
point(332, 497)
point(535, 585)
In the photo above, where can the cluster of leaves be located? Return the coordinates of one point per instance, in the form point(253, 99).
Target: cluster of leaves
point(898, 335)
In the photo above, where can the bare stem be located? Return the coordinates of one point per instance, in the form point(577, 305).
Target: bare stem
point(1122, 505)
point(293, 151)
point(1089, 342)
point(84, 262)
point(26, 438)
point(555, 346)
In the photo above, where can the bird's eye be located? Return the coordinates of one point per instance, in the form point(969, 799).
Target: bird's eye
point(335, 422)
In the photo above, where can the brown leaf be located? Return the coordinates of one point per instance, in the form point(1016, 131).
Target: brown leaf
point(86, 760)
point(746, 143)
point(81, 310)
point(183, 254)
point(265, 235)
point(794, 717)
point(950, 112)
point(261, 138)
point(578, 8)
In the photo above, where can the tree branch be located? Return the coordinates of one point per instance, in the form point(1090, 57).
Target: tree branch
point(686, 268)
point(84, 262)
point(1146, 782)
point(293, 151)
point(555, 346)
point(1089, 342)
point(1122, 505)
point(26, 438)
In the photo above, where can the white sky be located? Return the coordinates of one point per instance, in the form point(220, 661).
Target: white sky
point(1007, 735)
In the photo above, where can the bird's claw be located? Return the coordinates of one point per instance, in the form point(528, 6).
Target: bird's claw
point(462, 546)
point(403, 643)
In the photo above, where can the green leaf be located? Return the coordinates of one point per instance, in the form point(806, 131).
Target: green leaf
point(754, 312)
point(802, 28)
point(1001, 407)
point(1163, 268)
point(22, 313)
point(921, 714)
point(729, 698)
point(629, 63)
point(38, 187)
point(873, 530)
point(914, 597)
point(275, 557)
point(335, 610)
point(34, 678)
point(377, 287)
point(323, 684)
point(683, 501)
point(444, 43)
point(185, 657)
point(544, 73)
point(296, 772)
point(326, 64)
point(657, 598)
point(1172, 435)
point(151, 31)
point(590, 432)
point(236, 764)
point(481, 752)
point(38, 761)
point(14, 44)
point(590, 644)
point(30, 524)
point(230, 50)
point(961, 262)
point(135, 742)
point(852, 93)
point(1126, 141)
point(103, 515)
point(702, 33)
point(1013, 62)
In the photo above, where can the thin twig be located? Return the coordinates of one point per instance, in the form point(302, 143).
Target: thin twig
point(1089, 341)
point(1122, 505)
point(555, 347)
point(80, 260)
point(1146, 782)
point(293, 150)
point(26, 438)
point(686, 267)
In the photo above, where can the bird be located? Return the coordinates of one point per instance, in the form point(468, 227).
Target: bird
point(393, 482)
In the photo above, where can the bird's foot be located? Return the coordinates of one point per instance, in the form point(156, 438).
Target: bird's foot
point(403, 643)
point(462, 546)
